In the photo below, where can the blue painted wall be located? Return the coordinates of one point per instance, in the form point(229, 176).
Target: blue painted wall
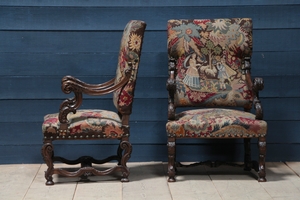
point(41, 41)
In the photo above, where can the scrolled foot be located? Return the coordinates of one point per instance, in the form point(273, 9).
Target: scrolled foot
point(262, 179)
point(124, 180)
point(171, 179)
point(49, 182)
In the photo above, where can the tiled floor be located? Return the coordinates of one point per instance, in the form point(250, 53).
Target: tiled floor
point(149, 181)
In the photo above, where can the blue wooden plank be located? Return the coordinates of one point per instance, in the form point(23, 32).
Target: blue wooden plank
point(49, 87)
point(95, 42)
point(138, 3)
point(275, 152)
point(115, 18)
point(144, 153)
point(153, 64)
point(285, 109)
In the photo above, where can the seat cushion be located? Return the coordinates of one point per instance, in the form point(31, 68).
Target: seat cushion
point(216, 123)
point(85, 124)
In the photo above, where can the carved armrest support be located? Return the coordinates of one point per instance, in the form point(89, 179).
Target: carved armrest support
point(71, 84)
point(258, 85)
point(171, 87)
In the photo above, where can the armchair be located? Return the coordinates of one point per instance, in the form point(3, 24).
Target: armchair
point(72, 123)
point(209, 68)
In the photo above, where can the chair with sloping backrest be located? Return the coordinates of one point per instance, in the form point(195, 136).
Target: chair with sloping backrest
point(72, 123)
point(209, 68)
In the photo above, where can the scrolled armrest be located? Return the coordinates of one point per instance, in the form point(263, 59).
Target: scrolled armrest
point(71, 84)
point(258, 85)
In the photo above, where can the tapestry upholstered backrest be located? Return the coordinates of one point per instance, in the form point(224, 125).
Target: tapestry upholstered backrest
point(209, 55)
point(130, 51)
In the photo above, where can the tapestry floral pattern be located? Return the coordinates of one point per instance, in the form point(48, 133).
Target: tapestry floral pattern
point(209, 56)
point(103, 123)
point(130, 51)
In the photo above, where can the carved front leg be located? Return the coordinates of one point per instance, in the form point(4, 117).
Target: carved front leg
point(171, 159)
point(262, 154)
point(126, 146)
point(47, 153)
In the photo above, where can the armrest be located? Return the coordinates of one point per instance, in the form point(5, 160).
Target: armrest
point(258, 85)
point(171, 87)
point(71, 84)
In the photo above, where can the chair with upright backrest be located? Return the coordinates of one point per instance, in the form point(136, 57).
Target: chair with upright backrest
point(72, 123)
point(209, 68)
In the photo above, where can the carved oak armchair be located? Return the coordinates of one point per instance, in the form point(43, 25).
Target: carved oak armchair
point(71, 123)
point(209, 67)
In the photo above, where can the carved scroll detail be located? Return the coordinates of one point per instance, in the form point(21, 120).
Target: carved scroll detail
point(171, 87)
point(47, 153)
point(258, 84)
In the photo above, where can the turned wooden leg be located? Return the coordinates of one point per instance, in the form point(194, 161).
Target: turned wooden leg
point(247, 154)
point(171, 158)
point(47, 153)
point(262, 145)
point(126, 146)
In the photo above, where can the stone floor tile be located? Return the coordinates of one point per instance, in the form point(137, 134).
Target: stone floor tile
point(194, 189)
point(295, 166)
point(277, 171)
point(281, 189)
point(147, 181)
point(16, 179)
point(63, 189)
point(103, 190)
point(241, 189)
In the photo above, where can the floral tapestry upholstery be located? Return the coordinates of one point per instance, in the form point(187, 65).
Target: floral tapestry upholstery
point(85, 124)
point(130, 51)
point(209, 55)
point(214, 122)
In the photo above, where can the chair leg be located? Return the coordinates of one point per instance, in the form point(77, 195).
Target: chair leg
point(262, 145)
point(247, 155)
point(47, 153)
point(126, 146)
point(171, 158)
point(119, 154)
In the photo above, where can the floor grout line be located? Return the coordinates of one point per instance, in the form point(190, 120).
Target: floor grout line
point(291, 169)
point(75, 190)
point(32, 181)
